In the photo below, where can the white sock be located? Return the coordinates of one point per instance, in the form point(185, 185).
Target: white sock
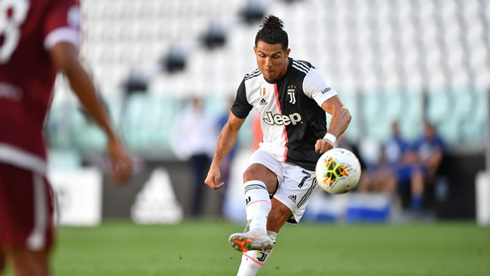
point(253, 260)
point(257, 204)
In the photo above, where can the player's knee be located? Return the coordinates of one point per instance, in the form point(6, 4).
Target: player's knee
point(249, 174)
point(261, 173)
point(253, 172)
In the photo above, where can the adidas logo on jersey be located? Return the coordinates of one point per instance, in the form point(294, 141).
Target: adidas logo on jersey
point(278, 119)
point(293, 198)
point(263, 102)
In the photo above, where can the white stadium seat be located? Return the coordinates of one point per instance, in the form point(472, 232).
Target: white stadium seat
point(385, 45)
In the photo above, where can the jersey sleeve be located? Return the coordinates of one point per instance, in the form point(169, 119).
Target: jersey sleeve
point(315, 87)
point(241, 107)
point(62, 23)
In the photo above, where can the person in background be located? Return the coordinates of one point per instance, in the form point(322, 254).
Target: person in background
point(226, 166)
point(430, 149)
point(430, 153)
point(193, 140)
point(401, 169)
point(39, 39)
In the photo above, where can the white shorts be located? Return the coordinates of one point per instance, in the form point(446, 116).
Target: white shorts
point(296, 185)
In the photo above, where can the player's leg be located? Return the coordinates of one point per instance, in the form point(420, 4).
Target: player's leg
point(260, 180)
point(22, 261)
point(278, 216)
point(259, 183)
point(26, 218)
point(288, 204)
point(254, 260)
point(27, 262)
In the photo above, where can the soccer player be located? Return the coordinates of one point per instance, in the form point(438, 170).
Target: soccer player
point(291, 98)
point(38, 39)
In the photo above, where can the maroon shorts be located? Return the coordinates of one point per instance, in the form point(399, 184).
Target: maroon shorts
point(26, 209)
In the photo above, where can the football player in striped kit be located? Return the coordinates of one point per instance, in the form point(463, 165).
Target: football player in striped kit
point(292, 98)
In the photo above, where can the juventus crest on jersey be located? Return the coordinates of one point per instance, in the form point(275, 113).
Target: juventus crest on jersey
point(290, 108)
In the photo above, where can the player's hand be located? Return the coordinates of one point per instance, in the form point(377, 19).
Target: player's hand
point(323, 145)
point(213, 178)
point(120, 161)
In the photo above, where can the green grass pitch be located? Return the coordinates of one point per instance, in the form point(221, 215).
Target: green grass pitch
point(200, 248)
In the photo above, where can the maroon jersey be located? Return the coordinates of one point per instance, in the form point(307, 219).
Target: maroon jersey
point(28, 29)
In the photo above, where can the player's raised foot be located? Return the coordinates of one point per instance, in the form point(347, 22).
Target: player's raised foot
point(251, 240)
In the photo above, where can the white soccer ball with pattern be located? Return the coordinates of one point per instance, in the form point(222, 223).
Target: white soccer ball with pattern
point(338, 171)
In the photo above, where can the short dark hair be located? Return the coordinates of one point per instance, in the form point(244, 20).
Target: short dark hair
point(272, 32)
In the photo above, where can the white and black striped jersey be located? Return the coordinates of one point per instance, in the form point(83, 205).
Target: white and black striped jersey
point(292, 119)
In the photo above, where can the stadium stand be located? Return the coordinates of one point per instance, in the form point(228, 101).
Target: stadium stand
point(389, 59)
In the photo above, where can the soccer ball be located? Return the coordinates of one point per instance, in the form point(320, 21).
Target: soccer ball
point(338, 171)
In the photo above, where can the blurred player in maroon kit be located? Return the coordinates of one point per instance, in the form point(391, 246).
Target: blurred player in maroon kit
point(37, 39)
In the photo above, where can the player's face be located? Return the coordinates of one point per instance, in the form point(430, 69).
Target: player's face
point(272, 60)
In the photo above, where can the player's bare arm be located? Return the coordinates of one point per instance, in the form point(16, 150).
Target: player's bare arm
point(341, 118)
point(65, 58)
point(226, 140)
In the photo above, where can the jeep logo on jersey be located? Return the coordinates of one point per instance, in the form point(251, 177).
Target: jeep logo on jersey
point(278, 119)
